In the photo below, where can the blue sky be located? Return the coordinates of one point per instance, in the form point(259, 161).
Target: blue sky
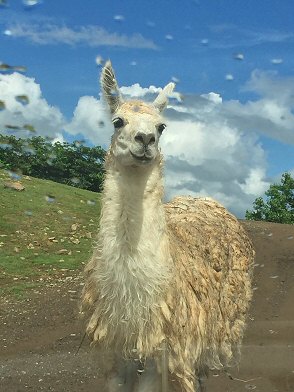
point(233, 61)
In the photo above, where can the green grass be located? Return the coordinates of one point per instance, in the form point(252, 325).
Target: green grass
point(45, 231)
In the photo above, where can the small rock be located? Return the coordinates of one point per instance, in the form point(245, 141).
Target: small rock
point(62, 252)
point(15, 185)
point(74, 226)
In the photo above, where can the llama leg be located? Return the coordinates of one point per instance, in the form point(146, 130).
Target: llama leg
point(122, 377)
point(149, 380)
point(200, 387)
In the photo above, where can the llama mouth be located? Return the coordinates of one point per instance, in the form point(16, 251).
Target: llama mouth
point(142, 158)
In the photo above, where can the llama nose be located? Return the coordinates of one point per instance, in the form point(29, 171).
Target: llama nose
point(145, 138)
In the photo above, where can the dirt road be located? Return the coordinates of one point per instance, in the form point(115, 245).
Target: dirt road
point(39, 337)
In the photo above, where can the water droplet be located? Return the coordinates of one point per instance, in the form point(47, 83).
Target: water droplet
point(119, 18)
point(2, 105)
point(23, 99)
point(229, 77)
point(239, 56)
point(149, 23)
point(274, 277)
point(31, 3)
point(14, 175)
point(3, 3)
point(250, 387)
point(290, 237)
point(5, 145)
point(169, 37)
point(133, 63)
point(204, 41)
point(79, 143)
point(175, 79)
point(7, 32)
point(91, 202)
point(50, 198)
point(28, 213)
point(29, 127)
point(75, 180)
point(4, 67)
point(12, 127)
point(29, 150)
point(19, 68)
point(99, 60)
point(276, 61)
point(114, 92)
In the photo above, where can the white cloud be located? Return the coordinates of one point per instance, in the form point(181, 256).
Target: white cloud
point(211, 146)
point(92, 120)
point(24, 105)
point(232, 36)
point(208, 150)
point(93, 36)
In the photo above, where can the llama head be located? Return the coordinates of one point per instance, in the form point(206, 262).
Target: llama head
point(137, 125)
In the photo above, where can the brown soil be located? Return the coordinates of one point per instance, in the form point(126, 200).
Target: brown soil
point(39, 337)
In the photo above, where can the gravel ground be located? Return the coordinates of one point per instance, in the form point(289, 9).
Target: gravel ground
point(40, 336)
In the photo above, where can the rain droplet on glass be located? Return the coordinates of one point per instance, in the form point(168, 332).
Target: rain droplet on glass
point(23, 99)
point(31, 3)
point(19, 68)
point(4, 67)
point(239, 56)
point(229, 77)
point(276, 61)
point(175, 79)
point(14, 175)
point(7, 32)
point(12, 127)
point(50, 198)
point(79, 143)
point(119, 18)
point(75, 180)
point(99, 60)
point(149, 23)
point(29, 150)
point(3, 3)
point(250, 387)
point(29, 127)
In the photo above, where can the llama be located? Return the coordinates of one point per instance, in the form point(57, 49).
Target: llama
point(167, 286)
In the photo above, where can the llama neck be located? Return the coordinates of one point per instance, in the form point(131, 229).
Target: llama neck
point(133, 235)
point(132, 206)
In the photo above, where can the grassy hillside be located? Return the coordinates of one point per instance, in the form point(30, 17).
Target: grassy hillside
point(46, 231)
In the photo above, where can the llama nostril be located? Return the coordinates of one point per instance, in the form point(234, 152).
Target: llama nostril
point(152, 140)
point(139, 138)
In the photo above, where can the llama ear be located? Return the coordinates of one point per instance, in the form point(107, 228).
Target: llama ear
point(162, 99)
point(110, 88)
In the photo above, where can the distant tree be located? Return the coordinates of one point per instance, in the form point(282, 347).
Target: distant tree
point(278, 205)
point(68, 163)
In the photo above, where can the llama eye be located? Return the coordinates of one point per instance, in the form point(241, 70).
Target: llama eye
point(118, 122)
point(161, 128)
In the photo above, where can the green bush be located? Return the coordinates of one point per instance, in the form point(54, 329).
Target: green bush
point(67, 163)
point(278, 205)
